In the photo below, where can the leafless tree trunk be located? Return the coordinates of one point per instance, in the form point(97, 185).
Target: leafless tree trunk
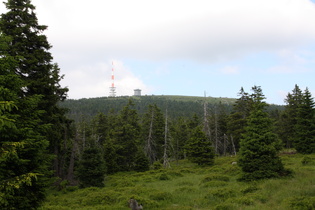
point(233, 145)
point(206, 127)
point(166, 163)
point(225, 142)
point(150, 142)
point(75, 148)
point(216, 132)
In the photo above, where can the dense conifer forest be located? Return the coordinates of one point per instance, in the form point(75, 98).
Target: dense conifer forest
point(168, 152)
point(177, 106)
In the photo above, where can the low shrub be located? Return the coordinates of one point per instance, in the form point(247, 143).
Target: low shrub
point(307, 160)
point(157, 165)
point(185, 183)
point(250, 189)
point(301, 203)
point(124, 183)
point(225, 206)
point(98, 198)
point(186, 171)
point(214, 184)
point(215, 177)
point(221, 193)
point(232, 170)
point(186, 189)
point(160, 196)
point(175, 174)
point(72, 188)
point(247, 201)
point(163, 176)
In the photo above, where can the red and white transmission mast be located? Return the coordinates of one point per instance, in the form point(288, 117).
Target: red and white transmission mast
point(112, 89)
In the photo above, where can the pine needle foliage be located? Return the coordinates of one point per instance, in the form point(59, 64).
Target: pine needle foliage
point(199, 149)
point(305, 125)
point(258, 156)
point(91, 169)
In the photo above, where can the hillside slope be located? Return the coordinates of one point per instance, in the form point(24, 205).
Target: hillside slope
point(177, 106)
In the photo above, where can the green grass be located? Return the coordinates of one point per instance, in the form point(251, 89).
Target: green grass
point(188, 186)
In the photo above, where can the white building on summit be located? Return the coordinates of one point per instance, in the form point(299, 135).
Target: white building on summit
point(137, 92)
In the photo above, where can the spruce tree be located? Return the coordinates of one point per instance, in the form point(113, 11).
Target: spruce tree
point(23, 156)
point(110, 156)
point(259, 146)
point(199, 149)
point(305, 125)
point(180, 135)
point(142, 162)
point(289, 116)
point(36, 69)
point(127, 137)
point(238, 118)
point(91, 168)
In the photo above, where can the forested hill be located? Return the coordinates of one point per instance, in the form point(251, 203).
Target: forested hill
point(177, 106)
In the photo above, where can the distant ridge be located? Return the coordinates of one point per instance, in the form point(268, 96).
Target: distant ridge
point(177, 105)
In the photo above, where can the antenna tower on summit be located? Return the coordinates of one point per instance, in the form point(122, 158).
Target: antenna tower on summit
point(112, 89)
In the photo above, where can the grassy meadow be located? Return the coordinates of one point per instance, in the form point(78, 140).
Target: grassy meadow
point(187, 186)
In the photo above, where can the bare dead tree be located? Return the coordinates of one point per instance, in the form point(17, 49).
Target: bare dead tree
point(166, 163)
point(149, 146)
point(74, 152)
point(206, 127)
point(216, 132)
point(232, 141)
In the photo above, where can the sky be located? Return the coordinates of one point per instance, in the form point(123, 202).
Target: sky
point(181, 47)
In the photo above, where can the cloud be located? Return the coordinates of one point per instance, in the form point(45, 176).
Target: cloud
point(199, 29)
point(87, 35)
point(293, 61)
point(95, 80)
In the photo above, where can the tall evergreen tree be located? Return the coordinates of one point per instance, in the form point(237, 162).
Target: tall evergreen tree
point(110, 145)
point(238, 118)
point(259, 146)
point(305, 125)
point(180, 135)
point(102, 128)
point(39, 75)
point(23, 158)
point(91, 169)
point(127, 137)
point(289, 116)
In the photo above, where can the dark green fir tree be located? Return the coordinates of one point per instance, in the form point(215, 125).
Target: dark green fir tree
point(126, 137)
point(180, 135)
point(199, 149)
point(91, 168)
point(237, 120)
point(305, 125)
point(23, 156)
point(289, 117)
point(35, 67)
point(258, 155)
point(110, 156)
point(142, 162)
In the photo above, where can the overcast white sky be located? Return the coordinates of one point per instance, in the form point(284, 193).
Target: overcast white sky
point(182, 47)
